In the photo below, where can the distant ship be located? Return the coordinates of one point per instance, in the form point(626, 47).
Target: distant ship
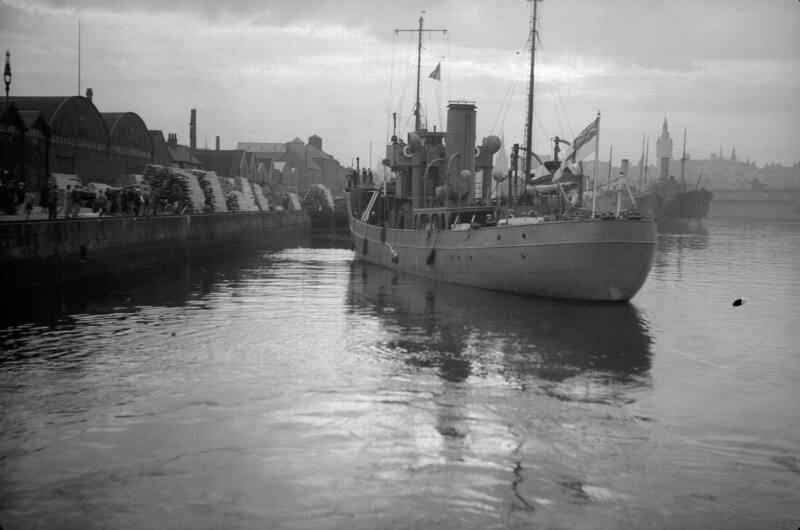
point(672, 202)
point(429, 222)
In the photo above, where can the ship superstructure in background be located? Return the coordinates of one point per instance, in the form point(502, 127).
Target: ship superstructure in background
point(674, 203)
point(432, 220)
point(669, 200)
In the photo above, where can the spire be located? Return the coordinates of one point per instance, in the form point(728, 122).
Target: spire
point(664, 143)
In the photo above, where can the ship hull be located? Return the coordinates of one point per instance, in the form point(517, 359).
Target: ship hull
point(685, 209)
point(601, 260)
point(684, 206)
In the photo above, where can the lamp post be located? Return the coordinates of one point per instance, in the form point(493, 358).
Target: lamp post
point(7, 73)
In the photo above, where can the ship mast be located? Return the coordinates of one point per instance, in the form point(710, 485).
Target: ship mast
point(529, 121)
point(683, 158)
point(417, 120)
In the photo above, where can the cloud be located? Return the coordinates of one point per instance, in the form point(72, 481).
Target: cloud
point(264, 70)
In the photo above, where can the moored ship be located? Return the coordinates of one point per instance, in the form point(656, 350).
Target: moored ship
point(430, 221)
point(673, 202)
point(670, 203)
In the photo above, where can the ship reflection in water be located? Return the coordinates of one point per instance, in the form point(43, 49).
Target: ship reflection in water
point(568, 349)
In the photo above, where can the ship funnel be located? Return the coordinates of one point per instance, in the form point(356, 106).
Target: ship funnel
point(484, 162)
point(623, 171)
point(460, 140)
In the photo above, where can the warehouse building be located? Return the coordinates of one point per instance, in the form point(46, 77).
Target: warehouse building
point(68, 134)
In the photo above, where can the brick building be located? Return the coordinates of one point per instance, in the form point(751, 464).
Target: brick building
point(298, 165)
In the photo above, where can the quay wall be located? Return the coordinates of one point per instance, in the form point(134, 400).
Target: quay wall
point(755, 204)
point(34, 253)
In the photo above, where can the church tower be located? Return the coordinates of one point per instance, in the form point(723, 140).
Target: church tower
point(664, 150)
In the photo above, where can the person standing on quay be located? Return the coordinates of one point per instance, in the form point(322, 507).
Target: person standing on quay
point(68, 201)
point(75, 200)
point(100, 203)
point(135, 198)
point(123, 201)
point(52, 202)
point(29, 199)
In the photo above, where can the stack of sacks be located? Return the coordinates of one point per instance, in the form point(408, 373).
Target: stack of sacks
point(262, 200)
point(219, 197)
point(244, 195)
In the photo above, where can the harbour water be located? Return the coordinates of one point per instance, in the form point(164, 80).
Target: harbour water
point(298, 389)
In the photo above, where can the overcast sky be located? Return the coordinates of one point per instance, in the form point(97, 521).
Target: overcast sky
point(261, 70)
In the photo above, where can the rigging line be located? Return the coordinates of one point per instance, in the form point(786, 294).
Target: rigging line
point(505, 104)
point(508, 98)
point(449, 84)
point(438, 60)
point(391, 90)
point(438, 90)
point(407, 77)
point(558, 100)
point(541, 126)
point(555, 108)
point(570, 130)
point(556, 95)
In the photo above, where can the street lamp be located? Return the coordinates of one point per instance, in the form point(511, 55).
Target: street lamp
point(7, 73)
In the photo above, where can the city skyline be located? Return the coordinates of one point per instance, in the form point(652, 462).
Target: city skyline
point(726, 74)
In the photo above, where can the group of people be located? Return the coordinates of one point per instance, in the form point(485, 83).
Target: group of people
point(132, 200)
point(67, 202)
point(52, 200)
point(13, 195)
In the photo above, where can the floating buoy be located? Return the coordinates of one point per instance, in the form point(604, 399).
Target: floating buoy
point(738, 302)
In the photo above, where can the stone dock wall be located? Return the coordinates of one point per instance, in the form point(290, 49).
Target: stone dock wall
point(35, 253)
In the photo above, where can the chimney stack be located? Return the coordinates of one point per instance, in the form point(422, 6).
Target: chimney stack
point(217, 143)
point(172, 139)
point(89, 94)
point(193, 131)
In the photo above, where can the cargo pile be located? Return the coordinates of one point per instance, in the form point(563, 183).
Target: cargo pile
point(318, 201)
point(171, 187)
point(208, 191)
